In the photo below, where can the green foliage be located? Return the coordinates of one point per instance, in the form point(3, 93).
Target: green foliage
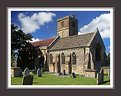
point(19, 40)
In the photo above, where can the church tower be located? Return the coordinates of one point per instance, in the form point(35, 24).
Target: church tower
point(67, 26)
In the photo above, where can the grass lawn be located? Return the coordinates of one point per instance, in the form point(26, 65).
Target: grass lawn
point(50, 79)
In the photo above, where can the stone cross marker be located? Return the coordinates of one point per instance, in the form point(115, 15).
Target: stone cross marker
point(39, 73)
point(26, 71)
point(27, 80)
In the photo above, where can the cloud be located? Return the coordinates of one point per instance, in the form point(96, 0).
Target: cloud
point(34, 40)
point(102, 23)
point(30, 24)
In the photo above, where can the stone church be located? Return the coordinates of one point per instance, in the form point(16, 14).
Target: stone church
point(69, 52)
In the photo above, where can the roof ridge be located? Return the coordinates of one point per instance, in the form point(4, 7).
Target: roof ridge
point(44, 39)
point(85, 33)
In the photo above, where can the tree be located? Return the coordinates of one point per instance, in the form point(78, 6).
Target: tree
point(19, 40)
point(28, 54)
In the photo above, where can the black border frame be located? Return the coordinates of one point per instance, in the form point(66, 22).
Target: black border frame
point(60, 3)
point(10, 9)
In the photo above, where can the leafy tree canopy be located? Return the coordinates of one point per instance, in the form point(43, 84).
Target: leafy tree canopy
point(28, 54)
point(18, 38)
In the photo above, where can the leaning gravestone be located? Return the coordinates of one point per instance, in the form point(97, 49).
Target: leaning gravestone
point(39, 73)
point(26, 71)
point(73, 75)
point(27, 80)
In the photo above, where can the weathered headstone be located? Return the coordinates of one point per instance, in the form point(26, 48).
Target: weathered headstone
point(73, 75)
point(26, 71)
point(16, 72)
point(39, 73)
point(27, 80)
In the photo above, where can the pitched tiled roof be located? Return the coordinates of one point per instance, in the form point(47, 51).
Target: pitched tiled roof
point(73, 41)
point(43, 42)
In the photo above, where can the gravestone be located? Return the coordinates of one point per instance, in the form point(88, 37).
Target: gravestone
point(39, 73)
point(16, 72)
point(26, 71)
point(27, 80)
point(73, 75)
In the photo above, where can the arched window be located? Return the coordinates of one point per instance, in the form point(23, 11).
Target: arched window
point(51, 59)
point(89, 62)
point(63, 58)
point(73, 58)
point(98, 52)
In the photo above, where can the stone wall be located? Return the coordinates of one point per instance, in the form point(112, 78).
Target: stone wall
point(78, 68)
point(85, 59)
point(90, 73)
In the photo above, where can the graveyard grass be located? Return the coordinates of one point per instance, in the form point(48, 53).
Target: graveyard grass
point(50, 79)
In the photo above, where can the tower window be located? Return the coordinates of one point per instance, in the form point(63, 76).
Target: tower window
point(62, 24)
